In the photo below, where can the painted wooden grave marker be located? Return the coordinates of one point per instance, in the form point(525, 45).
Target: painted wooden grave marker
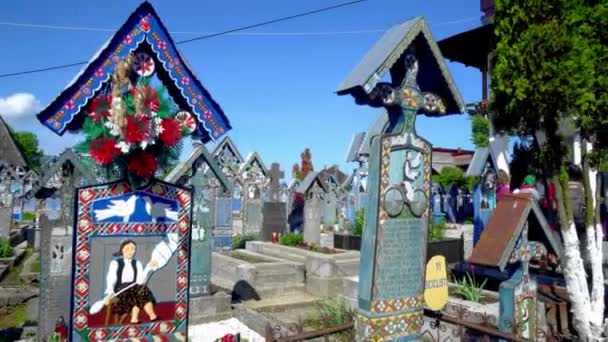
point(393, 248)
point(132, 237)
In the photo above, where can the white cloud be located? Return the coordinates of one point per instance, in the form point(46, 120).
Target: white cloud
point(19, 105)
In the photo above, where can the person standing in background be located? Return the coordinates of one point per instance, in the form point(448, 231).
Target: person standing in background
point(504, 186)
point(528, 187)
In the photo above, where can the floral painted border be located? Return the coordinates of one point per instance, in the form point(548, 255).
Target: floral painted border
point(86, 229)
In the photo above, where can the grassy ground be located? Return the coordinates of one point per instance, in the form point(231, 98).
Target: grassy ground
point(35, 265)
point(15, 317)
point(14, 275)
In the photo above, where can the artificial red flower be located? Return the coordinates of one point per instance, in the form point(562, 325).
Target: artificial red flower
point(151, 100)
point(172, 132)
point(143, 164)
point(103, 150)
point(136, 128)
point(100, 107)
point(229, 338)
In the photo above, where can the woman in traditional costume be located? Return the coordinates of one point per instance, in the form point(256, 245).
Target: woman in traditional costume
point(125, 270)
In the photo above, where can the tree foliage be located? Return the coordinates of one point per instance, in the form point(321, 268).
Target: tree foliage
point(295, 172)
point(306, 164)
point(551, 66)
point(452, 175)
point(480, 131)
point(29, 146)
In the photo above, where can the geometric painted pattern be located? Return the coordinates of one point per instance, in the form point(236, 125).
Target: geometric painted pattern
point(392, 305)
point(173, 330)
point(389, 327)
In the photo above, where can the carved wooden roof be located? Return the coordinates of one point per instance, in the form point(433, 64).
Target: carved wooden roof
point(433, 75)
point(143, 31)
point(504, 228)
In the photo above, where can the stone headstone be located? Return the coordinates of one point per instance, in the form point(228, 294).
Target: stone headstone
point(274, 211)
point(275, 220)
point(312, 215)
point(327, 240)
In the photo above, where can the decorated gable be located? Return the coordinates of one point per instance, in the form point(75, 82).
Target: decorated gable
point(141, 48)
point(312, 184)
point(228, 156)
point(390, 54)
point(253, 168)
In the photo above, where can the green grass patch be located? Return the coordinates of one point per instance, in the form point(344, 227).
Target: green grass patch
point(29, 217)
point(6, 250)
point(437, 231)
point(328, 313)
point(240, 241)
point(35, 265)
point(14, 316)
point(14, 275)
point(291, 239)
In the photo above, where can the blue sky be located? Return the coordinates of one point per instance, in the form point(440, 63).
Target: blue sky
point(275, 83)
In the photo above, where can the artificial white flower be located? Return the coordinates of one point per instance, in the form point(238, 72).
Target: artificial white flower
point(114, 130)
point(123, 146)
point(158, 125)
point(145, 143)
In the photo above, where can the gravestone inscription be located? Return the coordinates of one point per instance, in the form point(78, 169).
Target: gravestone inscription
point(402, 240)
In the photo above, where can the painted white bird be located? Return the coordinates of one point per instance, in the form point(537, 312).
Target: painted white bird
point(159, 210)
point(120, 208)
point(412, 166)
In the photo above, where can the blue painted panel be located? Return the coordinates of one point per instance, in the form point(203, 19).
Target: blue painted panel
point(222, 243)
point(506, 298)
point(363, 199)
point(236, 204)
point(134, 207)
point(223, 212)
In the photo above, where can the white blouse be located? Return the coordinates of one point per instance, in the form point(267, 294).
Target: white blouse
point(127, 274)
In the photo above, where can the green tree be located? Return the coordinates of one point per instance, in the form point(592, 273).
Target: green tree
point(480, 130)
point(550, 65)
point(452, 175)
point(28, 144)
point(295, 172)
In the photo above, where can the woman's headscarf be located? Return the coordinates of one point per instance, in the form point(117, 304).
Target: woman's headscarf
point(530, 180)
